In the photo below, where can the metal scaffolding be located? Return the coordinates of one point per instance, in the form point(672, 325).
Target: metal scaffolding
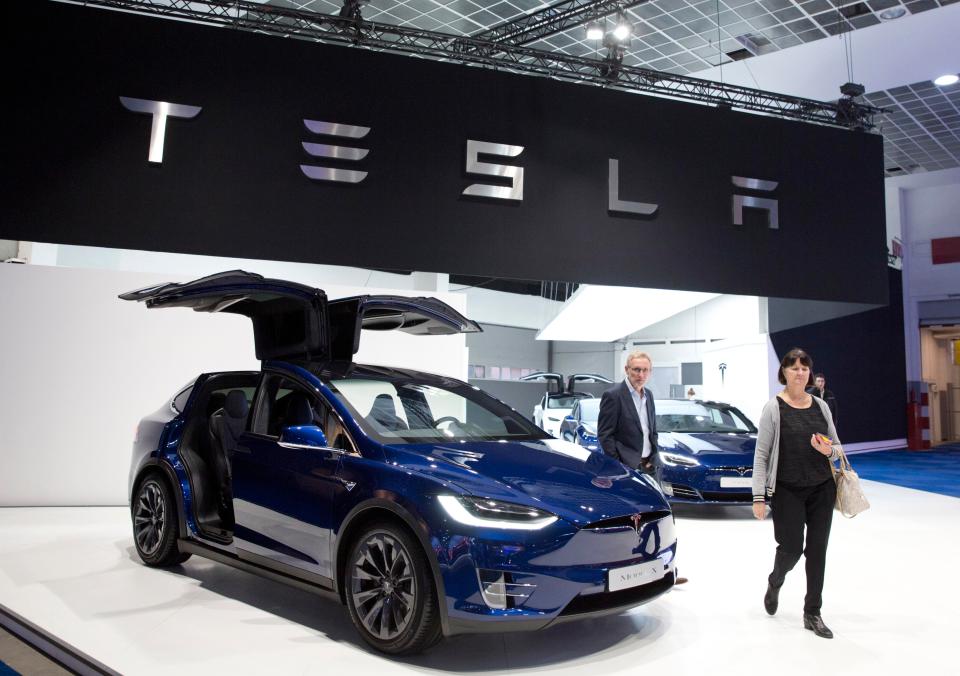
point(553, 19)
point(354, 30)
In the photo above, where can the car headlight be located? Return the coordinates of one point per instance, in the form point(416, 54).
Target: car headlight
point(474, 511)
point(675, 460)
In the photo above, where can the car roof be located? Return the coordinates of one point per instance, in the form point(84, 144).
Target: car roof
point(338, 370)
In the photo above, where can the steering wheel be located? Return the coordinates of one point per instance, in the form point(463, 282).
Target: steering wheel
point(446, 418)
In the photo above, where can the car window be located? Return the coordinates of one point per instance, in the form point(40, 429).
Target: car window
point(589, 410)
point(179, 402)
point(337, 435)
point(283, 403)
point(694, 416)
point(562, 400)
point(404, 410)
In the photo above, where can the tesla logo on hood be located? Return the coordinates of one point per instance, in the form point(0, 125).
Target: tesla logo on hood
point(637, 519)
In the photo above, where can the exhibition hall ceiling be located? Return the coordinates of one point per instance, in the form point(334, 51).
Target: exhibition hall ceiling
point(921, 130)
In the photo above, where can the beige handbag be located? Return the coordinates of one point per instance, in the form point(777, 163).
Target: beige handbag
point(850, 498)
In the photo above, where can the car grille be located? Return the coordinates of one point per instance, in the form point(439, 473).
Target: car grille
point(590, 603)
point(739, 496)
point(627, 521)
point(740, 470)
point(681, 491)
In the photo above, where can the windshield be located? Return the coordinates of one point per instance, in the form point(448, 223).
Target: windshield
point(563, 400)
point(407, 411)
point(695, 416)
point(590, 410)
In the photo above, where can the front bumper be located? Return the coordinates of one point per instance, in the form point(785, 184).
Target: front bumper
point(550, 581)
point(702, 485)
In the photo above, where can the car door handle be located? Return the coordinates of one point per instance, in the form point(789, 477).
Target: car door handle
point(242, 449)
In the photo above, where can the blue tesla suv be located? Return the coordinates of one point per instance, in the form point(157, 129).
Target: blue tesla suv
point(706, 448)
point(424, 505)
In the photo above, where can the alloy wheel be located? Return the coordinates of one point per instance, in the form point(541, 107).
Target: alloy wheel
point(383, 586)
point(149, 519)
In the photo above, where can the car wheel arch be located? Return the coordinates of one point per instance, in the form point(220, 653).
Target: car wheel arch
point(380, 508)
point(161, 469)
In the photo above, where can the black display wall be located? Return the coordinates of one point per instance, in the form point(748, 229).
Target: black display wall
point(863, 359)
point(230, 183)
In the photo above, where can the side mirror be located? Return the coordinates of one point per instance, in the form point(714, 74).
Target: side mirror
point(303, 436)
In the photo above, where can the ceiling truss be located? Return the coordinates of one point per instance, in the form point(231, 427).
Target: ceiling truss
point(502, 53)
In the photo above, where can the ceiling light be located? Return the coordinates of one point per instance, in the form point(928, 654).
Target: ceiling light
point(892, 13)
point(623, 29)
point(594, 30)
point(608, 313)
point(946, 80)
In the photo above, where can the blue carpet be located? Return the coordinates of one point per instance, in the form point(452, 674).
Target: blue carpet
point(937, 471)
point(7, 671)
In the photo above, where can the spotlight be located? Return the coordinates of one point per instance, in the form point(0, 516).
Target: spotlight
point(594, 30)
point(946, 80)
point(892, 13)
point(623, 29)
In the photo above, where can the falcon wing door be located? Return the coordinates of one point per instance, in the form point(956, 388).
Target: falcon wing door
point(589, 378)
point(554, 380)
point(418, 316)
point(289, 319)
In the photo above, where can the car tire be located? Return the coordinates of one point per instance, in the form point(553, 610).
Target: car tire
point(390, 592)
point(154, 516)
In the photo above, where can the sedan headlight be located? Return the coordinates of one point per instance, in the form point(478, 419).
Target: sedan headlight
point(474, 511)
point(675, 460)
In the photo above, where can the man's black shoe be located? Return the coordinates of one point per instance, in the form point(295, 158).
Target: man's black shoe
point(771, 599)
point(815, 624)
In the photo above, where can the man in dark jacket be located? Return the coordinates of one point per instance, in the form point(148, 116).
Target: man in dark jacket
point(627, 424)
point(819, 389)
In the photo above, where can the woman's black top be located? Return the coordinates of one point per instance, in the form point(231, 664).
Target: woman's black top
point(800, 464)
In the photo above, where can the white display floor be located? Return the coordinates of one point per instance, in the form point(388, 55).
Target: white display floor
point(892, 598)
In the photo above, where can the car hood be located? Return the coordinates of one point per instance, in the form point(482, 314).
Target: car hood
point(560, 477)
point(722, 447)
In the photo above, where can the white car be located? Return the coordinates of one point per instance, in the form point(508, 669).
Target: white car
point(554, 406)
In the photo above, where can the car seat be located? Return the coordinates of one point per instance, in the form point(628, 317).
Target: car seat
point(384, 412)
point(226, 426)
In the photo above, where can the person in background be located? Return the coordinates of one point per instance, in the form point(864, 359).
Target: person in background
point(796, 444)
point(627, 422)
point(819, 389)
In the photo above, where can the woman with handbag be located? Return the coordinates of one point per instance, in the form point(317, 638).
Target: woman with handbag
point(796, 445)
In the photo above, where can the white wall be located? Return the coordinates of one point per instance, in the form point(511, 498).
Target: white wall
point(745, 382)
point(569, 357)
point(732, 329)
point(923, 207)
point(81, 367)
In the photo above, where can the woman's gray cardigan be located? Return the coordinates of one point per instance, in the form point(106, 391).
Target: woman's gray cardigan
point(768, 447)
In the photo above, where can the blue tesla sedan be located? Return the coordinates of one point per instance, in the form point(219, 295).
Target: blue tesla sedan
point(425, 506)
point(706, 448)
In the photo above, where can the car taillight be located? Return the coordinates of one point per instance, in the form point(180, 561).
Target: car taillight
point(136, 433)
